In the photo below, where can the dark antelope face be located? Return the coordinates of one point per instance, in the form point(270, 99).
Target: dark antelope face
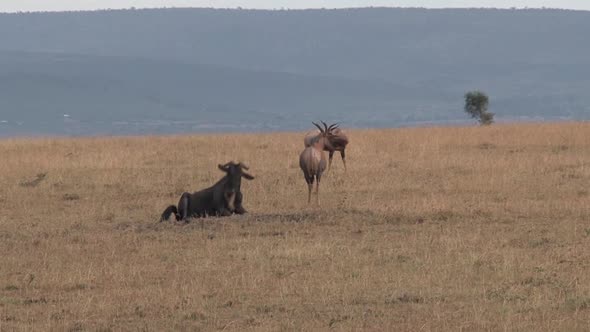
point(235, 173)
point(326, 135)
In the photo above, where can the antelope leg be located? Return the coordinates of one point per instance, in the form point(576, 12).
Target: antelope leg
point(317, 192)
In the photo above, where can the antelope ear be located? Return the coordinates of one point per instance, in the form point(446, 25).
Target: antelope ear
point(247, 176)
point(222, 167)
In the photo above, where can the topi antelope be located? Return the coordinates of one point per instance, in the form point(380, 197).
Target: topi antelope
point(313, 162)
point(336, 141)
point(222, 199)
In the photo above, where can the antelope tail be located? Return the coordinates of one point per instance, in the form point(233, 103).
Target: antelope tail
point(168, 212)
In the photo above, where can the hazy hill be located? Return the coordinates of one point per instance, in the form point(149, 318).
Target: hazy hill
point(256, 70)
point(81, 94)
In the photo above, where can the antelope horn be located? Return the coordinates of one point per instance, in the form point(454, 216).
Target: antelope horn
point(325, 126)
point(317, 125)
point(333, 126)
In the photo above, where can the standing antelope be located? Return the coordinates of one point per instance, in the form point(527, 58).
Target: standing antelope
point(313, 162)
point(336, 141)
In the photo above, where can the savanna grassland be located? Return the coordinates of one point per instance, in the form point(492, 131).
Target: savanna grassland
point(430, 229)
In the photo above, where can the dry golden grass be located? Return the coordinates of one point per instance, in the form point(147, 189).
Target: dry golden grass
point(431, 229)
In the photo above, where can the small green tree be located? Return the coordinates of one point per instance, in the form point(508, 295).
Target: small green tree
point(476, 105)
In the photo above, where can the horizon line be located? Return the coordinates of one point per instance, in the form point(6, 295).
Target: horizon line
point(131, 8)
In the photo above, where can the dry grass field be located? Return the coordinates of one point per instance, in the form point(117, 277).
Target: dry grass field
point(431, 229)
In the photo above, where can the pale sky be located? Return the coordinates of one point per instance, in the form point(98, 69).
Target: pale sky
point(59, 5)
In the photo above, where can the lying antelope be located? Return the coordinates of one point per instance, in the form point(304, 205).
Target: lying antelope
point(221, 199)
point(336, 141)
point(313, 162)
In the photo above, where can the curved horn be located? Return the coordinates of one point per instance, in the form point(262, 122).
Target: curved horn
point(333, 126)
point(224, 167)
point(325, 126)
point(243, 166)
point(317, 125)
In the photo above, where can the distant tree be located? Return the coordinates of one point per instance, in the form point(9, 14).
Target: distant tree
point(476, 105)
